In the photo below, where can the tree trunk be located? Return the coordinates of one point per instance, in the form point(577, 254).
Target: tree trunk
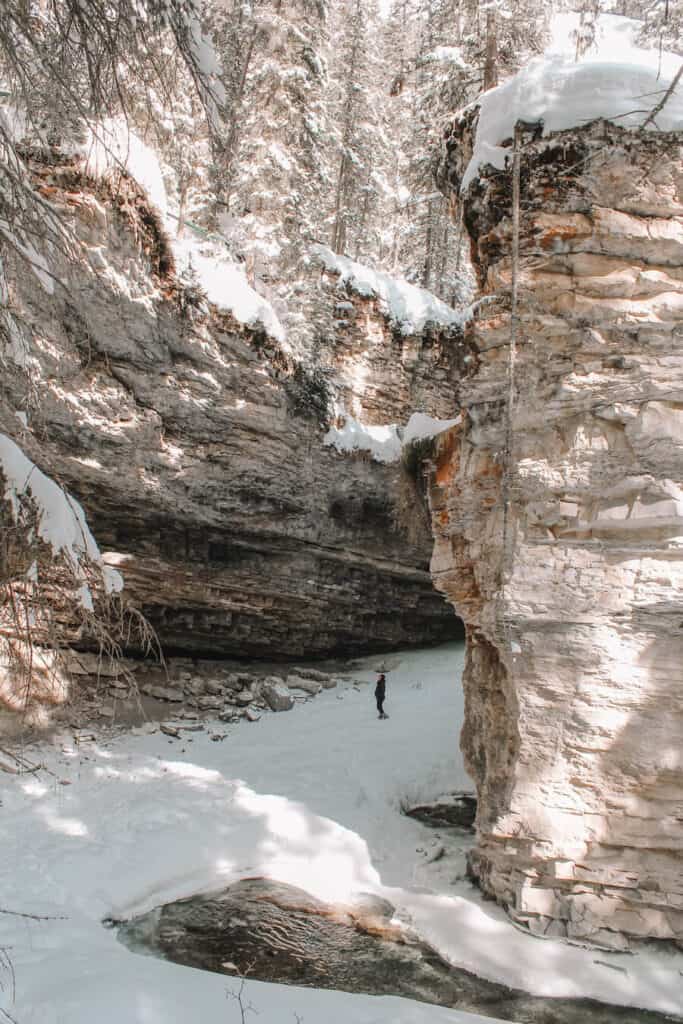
point(427, 271)
point(338, 227)
point(182, 209)
point(491, 62)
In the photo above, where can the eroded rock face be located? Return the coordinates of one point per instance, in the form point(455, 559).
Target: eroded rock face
point(201, 471)
point(275, 932)
point(561, 544)
point(382, 374)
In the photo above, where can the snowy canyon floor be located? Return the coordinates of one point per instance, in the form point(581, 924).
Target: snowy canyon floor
point(124, 823)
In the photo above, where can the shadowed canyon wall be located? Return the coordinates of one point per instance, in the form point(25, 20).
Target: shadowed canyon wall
point(558, 519)
point(196, 449)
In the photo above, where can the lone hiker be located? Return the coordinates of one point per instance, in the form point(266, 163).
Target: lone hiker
point(380, 694)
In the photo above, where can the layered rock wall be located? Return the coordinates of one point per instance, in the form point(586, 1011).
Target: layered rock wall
point(559, 534)
point(197, 452)
point(383, 374)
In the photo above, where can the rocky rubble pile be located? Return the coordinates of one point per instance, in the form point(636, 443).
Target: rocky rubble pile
point(196, 689)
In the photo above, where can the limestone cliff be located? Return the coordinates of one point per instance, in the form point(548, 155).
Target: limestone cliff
point(558, 514)
point(196, 448)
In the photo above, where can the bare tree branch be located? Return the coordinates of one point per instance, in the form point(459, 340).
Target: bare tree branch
point(651, 118)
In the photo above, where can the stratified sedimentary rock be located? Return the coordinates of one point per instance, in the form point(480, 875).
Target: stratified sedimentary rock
point(196, 448)
point(559, 534)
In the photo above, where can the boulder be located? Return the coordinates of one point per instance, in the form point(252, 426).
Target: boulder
point(303, 672)
point(170, 693)
point(307, 685)
point(213, 687)
point(277, 695)
point(209, 703)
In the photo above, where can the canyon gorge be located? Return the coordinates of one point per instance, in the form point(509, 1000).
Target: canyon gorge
point(196, 446)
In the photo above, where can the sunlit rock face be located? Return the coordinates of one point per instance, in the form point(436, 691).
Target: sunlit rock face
point(572, 595)
point(198, 456)
point(385, 370)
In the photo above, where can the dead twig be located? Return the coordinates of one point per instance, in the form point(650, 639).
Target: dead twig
point(33, 917)
point(664, 100)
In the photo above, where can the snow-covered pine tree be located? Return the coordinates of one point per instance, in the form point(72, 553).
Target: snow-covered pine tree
point(276, 178)
point(362, 148)
point(662, 23)
point(459, 48)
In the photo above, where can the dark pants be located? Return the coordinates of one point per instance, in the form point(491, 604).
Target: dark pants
point(380, 704)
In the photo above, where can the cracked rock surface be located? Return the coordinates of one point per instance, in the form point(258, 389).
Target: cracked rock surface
point(560, 540)
point(237, 531)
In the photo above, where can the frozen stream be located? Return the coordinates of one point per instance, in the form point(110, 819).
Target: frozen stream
point(310, 798)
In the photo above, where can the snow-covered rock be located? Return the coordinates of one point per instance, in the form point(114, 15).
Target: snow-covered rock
point(409, 307)
point(235, 527)
point(616, 80)
point(385, 442)
point(110, 146)
point(381, 442)
point(225, 284)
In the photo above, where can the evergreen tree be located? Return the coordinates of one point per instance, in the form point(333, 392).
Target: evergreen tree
point(273, 180)
point(362, 150)
point(445, 53)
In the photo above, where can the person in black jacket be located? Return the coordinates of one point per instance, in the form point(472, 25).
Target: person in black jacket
point(380, 694)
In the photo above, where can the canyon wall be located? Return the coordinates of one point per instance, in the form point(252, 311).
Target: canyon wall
point(558, 516)
point(196, 448)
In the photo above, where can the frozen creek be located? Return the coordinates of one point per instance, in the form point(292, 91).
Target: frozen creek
point(124, 824)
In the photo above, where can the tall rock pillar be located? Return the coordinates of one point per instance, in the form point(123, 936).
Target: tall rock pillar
point(558, 516)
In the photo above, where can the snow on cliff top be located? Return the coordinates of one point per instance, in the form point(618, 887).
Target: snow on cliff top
point(225, 284)
point(616, 79)
point(110, 147)
point(405, 304)
point(385, 442)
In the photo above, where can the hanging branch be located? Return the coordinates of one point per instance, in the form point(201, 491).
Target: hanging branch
point(664, 100)
point(33, 917)
point(508, 453)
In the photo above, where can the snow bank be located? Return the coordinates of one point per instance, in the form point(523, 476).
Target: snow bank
point(420, 427)
point(225, 284)
point(111, 146)
point(616, 80)
point(384, 442)
point(61, 520)
point(405, 304)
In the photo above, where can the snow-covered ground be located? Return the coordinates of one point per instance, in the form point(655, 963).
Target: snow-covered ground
point(310, 797)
